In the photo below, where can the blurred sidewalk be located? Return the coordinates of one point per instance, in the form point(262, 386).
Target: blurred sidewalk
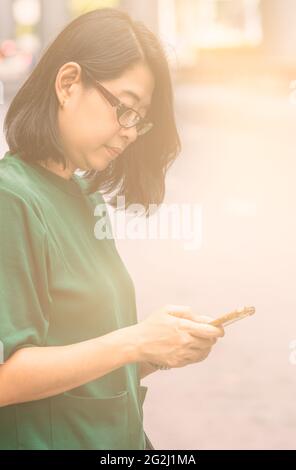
point(238, 161)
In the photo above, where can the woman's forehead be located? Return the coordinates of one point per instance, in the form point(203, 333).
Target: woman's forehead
point(137, 83)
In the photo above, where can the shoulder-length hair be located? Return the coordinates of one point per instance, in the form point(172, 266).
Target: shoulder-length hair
point(105, 42)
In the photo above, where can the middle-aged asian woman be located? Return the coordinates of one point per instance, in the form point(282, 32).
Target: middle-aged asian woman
point(99, 100)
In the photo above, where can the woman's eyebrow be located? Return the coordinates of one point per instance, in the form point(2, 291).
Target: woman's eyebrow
point(133, 95)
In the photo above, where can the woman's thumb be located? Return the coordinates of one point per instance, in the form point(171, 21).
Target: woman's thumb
point(184, 311)
point(181, 311)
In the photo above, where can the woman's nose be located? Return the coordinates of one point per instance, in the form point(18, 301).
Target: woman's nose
point(130, 134)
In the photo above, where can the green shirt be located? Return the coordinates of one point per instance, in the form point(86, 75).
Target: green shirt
point(61, 285)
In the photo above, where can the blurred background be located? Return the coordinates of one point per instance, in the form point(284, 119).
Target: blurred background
point(233, 65)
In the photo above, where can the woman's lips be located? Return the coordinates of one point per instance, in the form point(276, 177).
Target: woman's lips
point(112, 153)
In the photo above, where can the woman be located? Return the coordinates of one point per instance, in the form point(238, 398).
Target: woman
point(74, 352)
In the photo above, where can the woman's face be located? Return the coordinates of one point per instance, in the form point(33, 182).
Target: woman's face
point(88, 122)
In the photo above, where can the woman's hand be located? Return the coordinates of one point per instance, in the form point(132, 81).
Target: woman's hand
point(175, 337)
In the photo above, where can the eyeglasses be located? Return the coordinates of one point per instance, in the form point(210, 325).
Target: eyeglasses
point(127, 117)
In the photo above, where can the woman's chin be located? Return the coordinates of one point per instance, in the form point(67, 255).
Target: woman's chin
point(98, 163)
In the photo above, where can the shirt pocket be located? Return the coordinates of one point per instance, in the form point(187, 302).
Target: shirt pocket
point(80, 422)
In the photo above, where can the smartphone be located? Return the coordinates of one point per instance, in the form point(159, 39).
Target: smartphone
point(233, 316)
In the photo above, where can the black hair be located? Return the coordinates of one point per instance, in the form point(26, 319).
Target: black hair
point(105, 42)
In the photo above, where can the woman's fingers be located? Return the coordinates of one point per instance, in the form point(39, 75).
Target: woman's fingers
point(203, 343)
point(202, 330)
point(184, 312)
point(201, 354)
point(202, 318)
point(207, 319)
point(204, 354)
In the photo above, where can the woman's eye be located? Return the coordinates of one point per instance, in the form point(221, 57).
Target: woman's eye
point(128, 105)
point(133, 106)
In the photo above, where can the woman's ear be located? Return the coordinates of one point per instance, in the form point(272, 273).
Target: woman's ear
point(67, 77)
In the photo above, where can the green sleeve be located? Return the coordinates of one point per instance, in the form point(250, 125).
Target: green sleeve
point(24, 289)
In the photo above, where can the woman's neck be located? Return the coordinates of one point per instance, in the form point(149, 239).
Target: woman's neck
point(58, 168)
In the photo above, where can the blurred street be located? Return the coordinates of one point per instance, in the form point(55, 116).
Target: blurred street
point(238, 161)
